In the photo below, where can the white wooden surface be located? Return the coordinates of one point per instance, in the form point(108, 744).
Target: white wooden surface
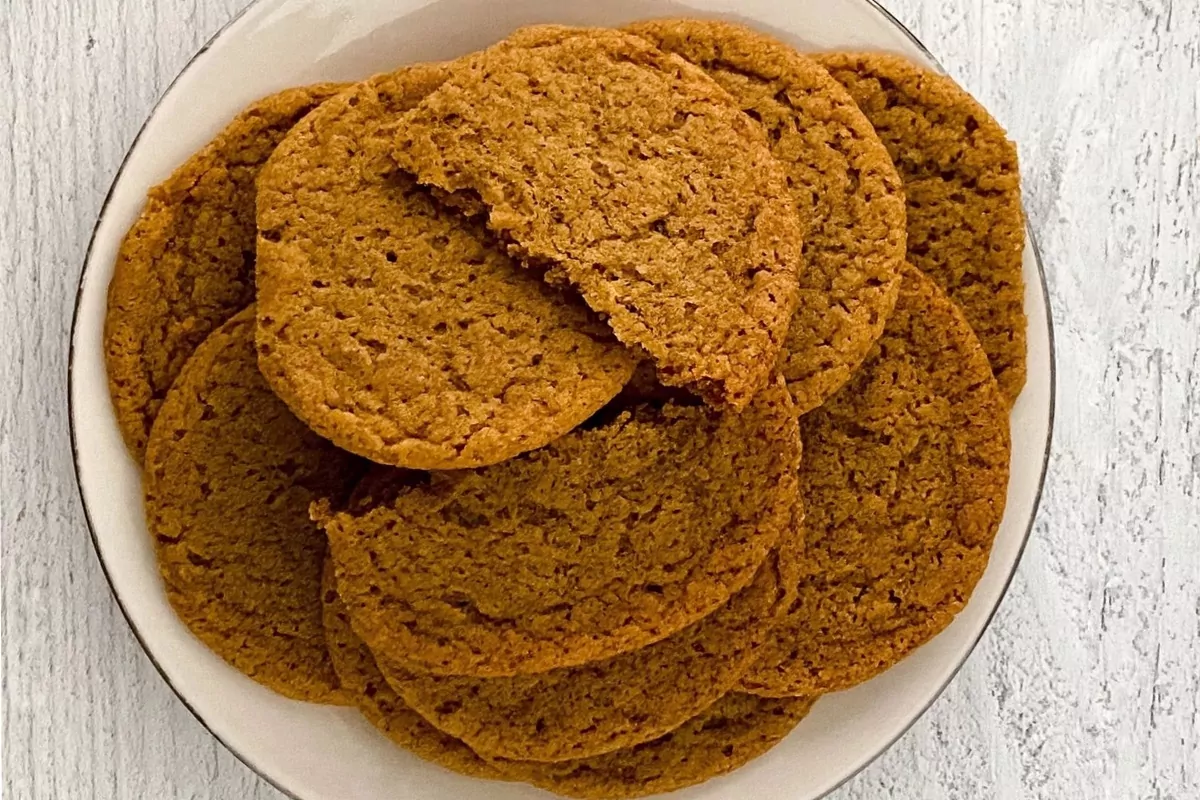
point(1087, 684)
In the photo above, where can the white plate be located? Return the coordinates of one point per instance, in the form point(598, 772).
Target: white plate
point(319, 753)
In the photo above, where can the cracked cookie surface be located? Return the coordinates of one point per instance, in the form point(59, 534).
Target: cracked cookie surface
point(629, 174)
point(395, 327)
point(230, 474)
point(606, 540)
point(840, 178)
point(728, 734)
point(735, 730)
point(601, 706)
point(966, 228)
point(366, 688)
point(187, 264)
point(904, 482)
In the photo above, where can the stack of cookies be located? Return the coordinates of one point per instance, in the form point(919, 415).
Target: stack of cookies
point(581, 410)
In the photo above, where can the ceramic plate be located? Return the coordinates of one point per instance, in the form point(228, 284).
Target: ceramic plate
point(318, 753)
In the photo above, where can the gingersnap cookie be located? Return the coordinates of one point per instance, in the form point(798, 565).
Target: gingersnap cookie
point(187, 264)
point(840, 178)
point(904, 480)
point(966, 229)
point(630, 174)
point(732, 732)
point(363, 683)
point(595, 708)
point(396, 328)
point(728, 734)
point(229, 477)
point(606, 540)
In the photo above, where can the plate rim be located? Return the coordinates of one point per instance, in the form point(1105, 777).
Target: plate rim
point(261, 772)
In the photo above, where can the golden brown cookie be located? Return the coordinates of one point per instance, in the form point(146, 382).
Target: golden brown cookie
point(840, 178)
point(904, 481)
point(187, 264)
point(393, 326)
point(595, 708)
point(966, 229)
point(729, 734)
point(230, 474)
point(630, 174)
point(606, 540)
point(362, 681)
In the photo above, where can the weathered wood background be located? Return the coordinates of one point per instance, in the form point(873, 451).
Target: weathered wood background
point(1088, 683)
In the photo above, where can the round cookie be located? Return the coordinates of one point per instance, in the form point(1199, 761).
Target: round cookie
point(904, 481)
point(229, 477)
point(630, 174)
point(840, 178)
point(604, 541)
point(187, 264)
point(729, 734)
point(595, 708)
point(363, 683)
point(966, 229)
point(393, 326)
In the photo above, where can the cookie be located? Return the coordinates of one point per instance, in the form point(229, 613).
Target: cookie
point(395, 327)
point(187, 264)
point(229, 477)
point(364, 685)
point(966, 229)
point(734, 731)
point(904, 481)
point(606, 540)
point(840, 178)
point(730, 733)
point(607, 705)
point(631, 175)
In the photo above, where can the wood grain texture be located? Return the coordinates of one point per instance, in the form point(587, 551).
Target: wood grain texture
point(1088, 682)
